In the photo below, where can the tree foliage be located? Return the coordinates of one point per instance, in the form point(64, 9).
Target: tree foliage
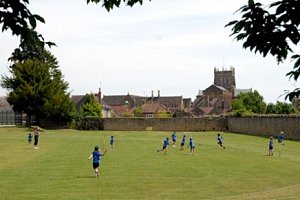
point(110, 4)
point(275, 33)
point(251, 102)
point(36, 87)
point(90, 108)
point(138, 112)
point(280, 108)
point(15, 16)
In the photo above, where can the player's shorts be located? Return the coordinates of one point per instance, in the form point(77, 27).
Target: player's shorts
point(174, 140)
point(270, 147)
point(220, 143)
point(164, 147)
point(193, 147)
point(182, 144)
point(95, 165)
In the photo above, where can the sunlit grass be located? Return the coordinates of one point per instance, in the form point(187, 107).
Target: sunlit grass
point(134, 170)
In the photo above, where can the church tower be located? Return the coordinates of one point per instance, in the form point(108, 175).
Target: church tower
point(225, 79)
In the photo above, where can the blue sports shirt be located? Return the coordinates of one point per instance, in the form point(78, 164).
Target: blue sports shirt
point(220, 139)
point(280, 138)
point(174, 136)
point(96, 156)
point(166, 143)
point(192, 144)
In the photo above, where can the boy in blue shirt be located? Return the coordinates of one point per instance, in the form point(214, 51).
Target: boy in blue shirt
point(96, 154)
point(280, 141)
point(165, 146)
point(220, 140)
point(182, 142)
point(192, 146)
point(281, 138)
point(174, 138)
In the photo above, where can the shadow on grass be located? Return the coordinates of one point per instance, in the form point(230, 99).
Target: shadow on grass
point(85, 177)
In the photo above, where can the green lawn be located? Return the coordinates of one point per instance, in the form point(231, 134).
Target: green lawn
point(134, 170)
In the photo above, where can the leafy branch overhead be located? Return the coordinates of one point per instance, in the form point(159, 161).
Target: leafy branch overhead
point(15, 16)
point(110, 4)
point(271, 33)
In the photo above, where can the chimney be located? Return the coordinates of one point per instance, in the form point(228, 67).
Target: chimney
point(158, 93)
point(152, 94)
point(99, 96)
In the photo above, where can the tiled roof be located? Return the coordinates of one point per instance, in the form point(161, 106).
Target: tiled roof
point(170, 101)
point(114, 100)
point(153, 108)
point(120, 110)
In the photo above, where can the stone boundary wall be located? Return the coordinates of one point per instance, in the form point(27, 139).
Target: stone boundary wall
point(266, 125)
point(260, 125)
point(165, 124)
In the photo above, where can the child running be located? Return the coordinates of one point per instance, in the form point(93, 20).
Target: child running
point(165, 146)
point(271, 144)
point(96, 154)
point(111, 142)
point(220, 140)
point(182, 142)
point(174, 139)
point(280, 141)
point(192, 146)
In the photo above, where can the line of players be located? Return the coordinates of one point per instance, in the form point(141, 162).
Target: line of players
point(96, 154)
point(191, 144)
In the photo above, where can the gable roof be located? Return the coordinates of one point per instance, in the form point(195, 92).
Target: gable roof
point(4, 105)
point(216, 86)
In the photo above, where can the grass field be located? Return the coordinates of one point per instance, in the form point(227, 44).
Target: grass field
point(134, 170)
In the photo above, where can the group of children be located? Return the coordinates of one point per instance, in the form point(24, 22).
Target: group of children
point(35, 135)
point(96, 154)
point(191, 144)
point(280, 142)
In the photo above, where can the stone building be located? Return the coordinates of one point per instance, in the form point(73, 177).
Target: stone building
point(217, 98)
point(225, 79)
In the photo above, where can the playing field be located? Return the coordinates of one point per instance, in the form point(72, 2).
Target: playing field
point(134, 170)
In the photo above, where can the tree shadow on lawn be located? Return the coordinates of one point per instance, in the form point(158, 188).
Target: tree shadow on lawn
point(85, 176)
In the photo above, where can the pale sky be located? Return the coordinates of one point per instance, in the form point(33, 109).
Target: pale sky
point(167, 45)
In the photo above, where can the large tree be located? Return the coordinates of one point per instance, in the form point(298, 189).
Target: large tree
point(36, 87)
point(250, 102)
point(272, 29)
